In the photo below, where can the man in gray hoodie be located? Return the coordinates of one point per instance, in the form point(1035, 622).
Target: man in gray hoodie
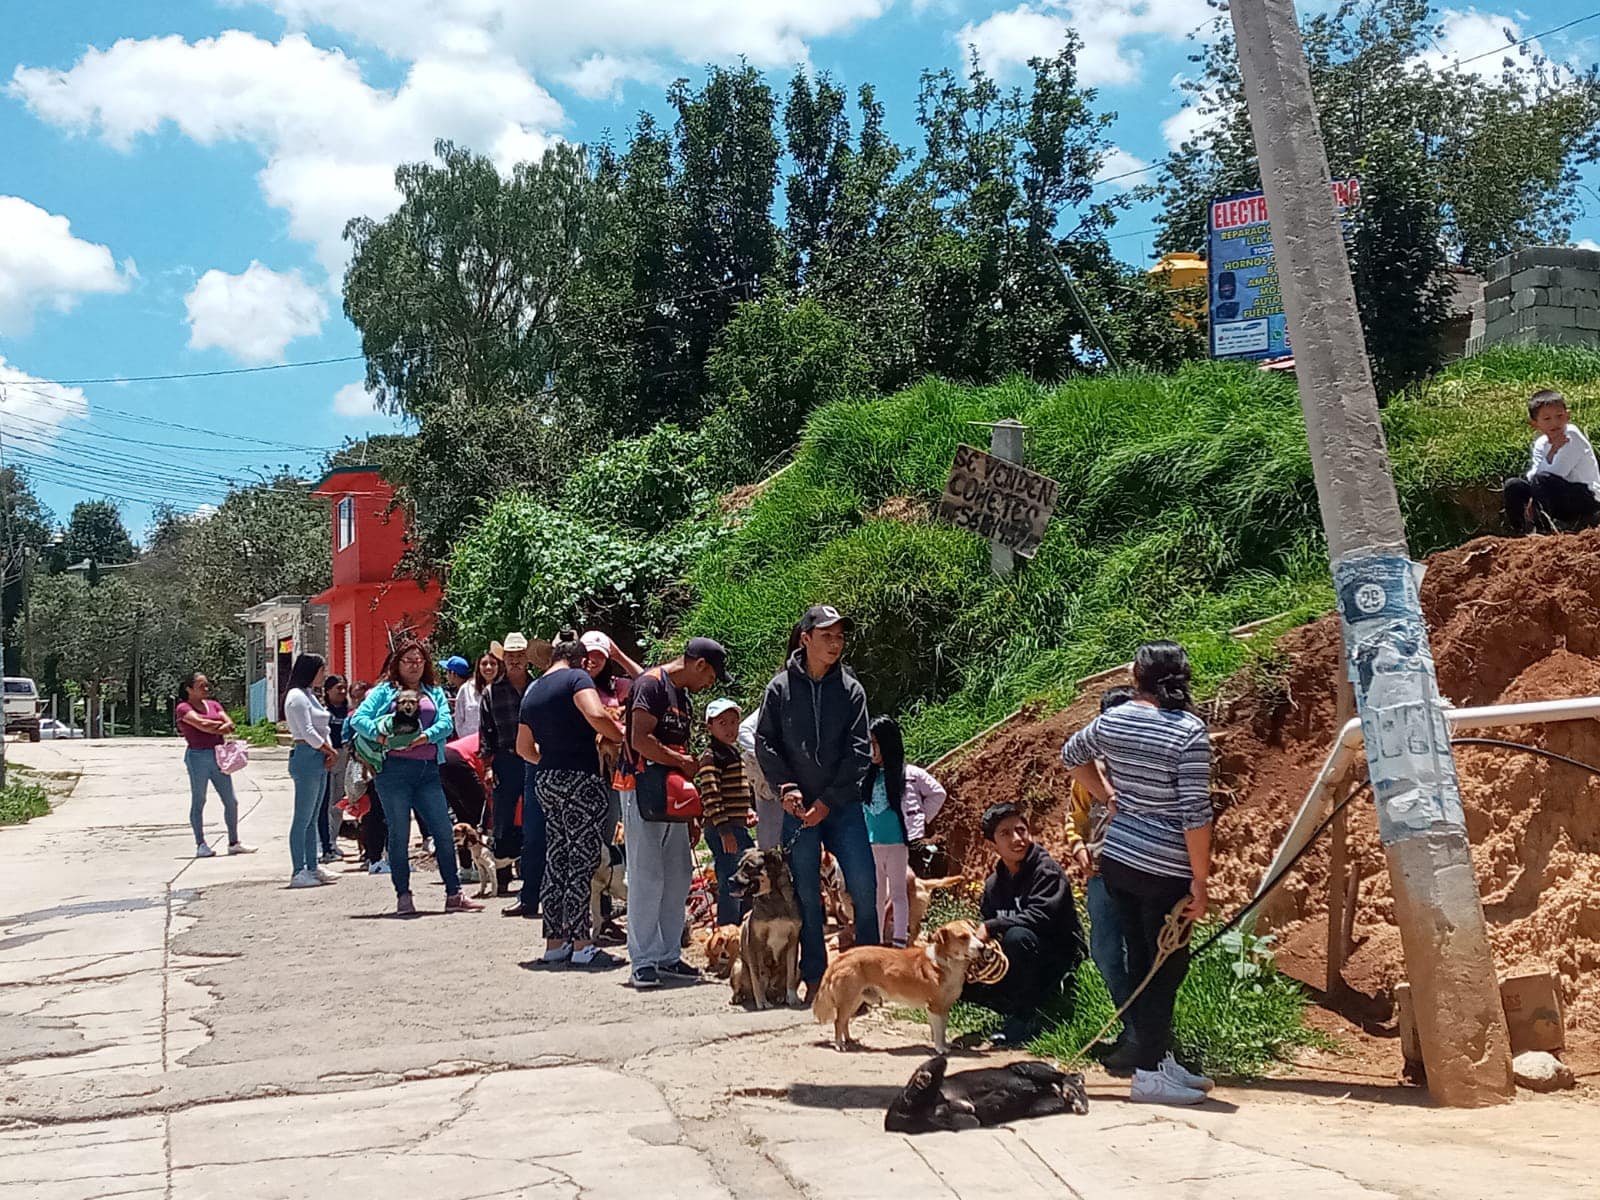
point(814, 750)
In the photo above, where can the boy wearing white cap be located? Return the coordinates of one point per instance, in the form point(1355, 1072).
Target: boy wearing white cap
point(725, 803)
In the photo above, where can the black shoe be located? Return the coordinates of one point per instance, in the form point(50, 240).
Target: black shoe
point(516, 910)
point(598, 961)
point(680, 970)
point(645, 977)
point(1016, 1031)
point(1123, 1056)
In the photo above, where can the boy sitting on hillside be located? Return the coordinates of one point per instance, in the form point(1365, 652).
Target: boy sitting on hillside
point(1027, 907)
point(1563, 482)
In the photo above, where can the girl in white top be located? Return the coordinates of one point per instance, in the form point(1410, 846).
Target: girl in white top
point(469, 696)
point(310, 761)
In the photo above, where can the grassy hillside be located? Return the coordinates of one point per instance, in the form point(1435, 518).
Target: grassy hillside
point(1187, 507)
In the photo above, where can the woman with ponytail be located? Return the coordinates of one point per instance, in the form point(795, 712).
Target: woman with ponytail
point(1157, 756)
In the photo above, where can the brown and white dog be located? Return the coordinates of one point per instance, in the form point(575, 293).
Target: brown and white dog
point(929, 977)
point(722, 950)
point(486, 863)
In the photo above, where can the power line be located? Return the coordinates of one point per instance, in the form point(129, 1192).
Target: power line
point(1533, 37)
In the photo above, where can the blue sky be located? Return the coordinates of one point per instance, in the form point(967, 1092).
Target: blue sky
point(176, 176)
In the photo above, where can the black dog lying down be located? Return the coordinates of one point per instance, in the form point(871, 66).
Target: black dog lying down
point(988, 1096)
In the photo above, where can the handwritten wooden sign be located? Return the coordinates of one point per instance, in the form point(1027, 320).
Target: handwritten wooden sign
point(998, 500)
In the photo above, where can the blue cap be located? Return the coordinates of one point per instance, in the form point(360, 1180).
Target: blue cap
point(457, 665)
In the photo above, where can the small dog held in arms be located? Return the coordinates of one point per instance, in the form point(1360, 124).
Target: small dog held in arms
point(933, 1100)
point(767, 970)
point(929, 977)
point(468, 836)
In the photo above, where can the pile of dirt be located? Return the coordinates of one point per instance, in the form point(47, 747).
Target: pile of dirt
point(1509, 621)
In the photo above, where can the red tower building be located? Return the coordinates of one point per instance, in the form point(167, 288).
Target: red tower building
point(367, 605)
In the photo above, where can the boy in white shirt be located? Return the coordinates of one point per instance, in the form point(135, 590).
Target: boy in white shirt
point(1563, 482)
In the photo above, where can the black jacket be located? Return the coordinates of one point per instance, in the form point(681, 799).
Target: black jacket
point(813, 733)
point(1037, 897)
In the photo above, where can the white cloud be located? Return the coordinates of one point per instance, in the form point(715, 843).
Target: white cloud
point(1123, 169)
point(330, 140)
point(601, 76)
point(38, 406)
point(1586, 244)
point(1471, 34)
point(1007, 40)
point(770, 33)
point(353, 400)
point(43, 265)
point(253, 315)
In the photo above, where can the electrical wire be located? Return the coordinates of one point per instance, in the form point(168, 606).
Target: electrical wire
point(1532, 37)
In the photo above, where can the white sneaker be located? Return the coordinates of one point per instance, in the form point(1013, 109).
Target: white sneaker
point(325, 875)
point(1178, 1073)
point(204, 851)
point(381, 867)
point(240, 848)
point(305, 879)
point(1157, 1087)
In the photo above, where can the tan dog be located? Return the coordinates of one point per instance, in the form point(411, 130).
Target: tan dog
point(722, 950)
point(929, 977)
point(468, 836)
point(768, 970)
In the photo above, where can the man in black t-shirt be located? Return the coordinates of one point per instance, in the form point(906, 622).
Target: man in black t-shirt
point(660, 857)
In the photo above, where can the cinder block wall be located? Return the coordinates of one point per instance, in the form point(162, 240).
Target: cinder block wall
point(1545, 294)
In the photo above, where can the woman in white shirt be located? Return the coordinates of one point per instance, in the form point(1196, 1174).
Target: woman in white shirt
point(469, 696)
point(310, 761)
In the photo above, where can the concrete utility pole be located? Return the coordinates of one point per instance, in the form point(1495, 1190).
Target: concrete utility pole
point(1460, 1021)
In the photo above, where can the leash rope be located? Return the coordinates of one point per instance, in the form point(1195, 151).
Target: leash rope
point(1174, 936)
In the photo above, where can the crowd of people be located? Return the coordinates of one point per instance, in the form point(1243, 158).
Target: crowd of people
point(590, 755)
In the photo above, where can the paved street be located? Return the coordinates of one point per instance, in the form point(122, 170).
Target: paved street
point(177, 1029)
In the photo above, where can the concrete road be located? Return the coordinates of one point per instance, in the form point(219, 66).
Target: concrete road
point(176, 1029)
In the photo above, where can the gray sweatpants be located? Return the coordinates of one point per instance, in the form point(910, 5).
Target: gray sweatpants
point(660, 868)
point(769, 813)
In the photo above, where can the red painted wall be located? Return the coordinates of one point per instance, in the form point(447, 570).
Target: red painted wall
point(365, 595)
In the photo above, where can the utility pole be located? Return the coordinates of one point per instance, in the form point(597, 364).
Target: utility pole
point(1461, 1024)
point(1005, 441)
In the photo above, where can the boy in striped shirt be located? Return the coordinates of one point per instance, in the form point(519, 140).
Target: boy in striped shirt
point(725, 799)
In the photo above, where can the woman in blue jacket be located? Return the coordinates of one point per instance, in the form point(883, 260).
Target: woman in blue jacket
point(408, 779)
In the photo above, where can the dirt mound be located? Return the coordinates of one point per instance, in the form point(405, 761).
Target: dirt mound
point(1509, 621)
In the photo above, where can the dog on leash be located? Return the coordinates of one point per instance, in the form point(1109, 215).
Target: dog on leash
point(933, 1100)
point(767, 970)
point(467, 836)
point(929, 977)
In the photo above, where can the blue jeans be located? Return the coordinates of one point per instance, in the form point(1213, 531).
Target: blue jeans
point(407, 785)
point(534, 845)
point(324, 833)
point(1106, 946)
point(310, 777)
point(509, 783)
point(843, 831)
point(729, 908)
point(203, 769)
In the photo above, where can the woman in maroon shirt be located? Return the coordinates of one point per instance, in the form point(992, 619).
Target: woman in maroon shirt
point(204, 725)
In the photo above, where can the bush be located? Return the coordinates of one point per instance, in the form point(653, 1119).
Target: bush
point(20, 802)
point(644, 484)
point(262, 733)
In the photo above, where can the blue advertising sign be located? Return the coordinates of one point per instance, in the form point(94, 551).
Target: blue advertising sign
point(1246, 307)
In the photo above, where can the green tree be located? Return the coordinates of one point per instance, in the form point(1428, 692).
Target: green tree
point(91, 631)
point(25, 532)
point(95, 532)
point(456, 296)
point(1455, 168)
point(776, 362)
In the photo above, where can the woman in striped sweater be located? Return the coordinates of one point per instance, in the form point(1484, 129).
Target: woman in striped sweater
point(1157, 756)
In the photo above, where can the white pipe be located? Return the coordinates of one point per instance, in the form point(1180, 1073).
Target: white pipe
point(1538, 712)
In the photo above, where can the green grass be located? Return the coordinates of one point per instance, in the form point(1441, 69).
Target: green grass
point(21, 801)
point(1187, 507)
point(262, 733)
point(1236, 1012)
